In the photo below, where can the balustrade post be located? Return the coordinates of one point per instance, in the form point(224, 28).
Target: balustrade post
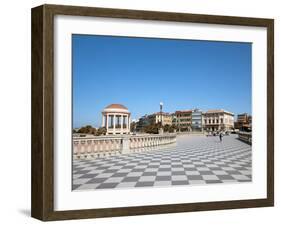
point(111, 145)
point(132, 143)
point(101, 145)
point(82, 147)
point(106, 145)
point(95, 145)
point(75, 149)
point(89, 148)
point(125, 145)
point(120, 144)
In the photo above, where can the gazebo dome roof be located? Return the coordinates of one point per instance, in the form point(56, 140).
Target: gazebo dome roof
point(116, 108)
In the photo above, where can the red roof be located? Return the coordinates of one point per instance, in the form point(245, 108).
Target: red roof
point(183, 111)
point(163, 113)
point(118, 106)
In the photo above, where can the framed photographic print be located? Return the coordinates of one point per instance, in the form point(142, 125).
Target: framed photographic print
point(141, 112)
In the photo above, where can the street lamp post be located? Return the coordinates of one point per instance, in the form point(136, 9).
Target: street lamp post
point(161, 118)
point(161, 110)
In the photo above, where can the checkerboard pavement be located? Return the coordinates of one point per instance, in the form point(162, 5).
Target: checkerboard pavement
point(193, 160)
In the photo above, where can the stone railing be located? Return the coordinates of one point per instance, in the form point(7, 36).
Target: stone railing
point(102, 146)
point(195, 133)
point(245, 136)
point(141, 141)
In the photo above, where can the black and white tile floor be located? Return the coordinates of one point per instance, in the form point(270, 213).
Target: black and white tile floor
point(193, 160)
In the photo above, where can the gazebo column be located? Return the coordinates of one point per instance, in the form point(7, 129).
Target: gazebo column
point(124, 122)
point(121, 122)
point(114, 122)
point(106, 123)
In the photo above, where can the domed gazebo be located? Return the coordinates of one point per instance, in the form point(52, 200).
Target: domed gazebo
point(116, 119)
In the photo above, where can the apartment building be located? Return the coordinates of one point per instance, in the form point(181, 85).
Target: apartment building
point(183, 120)
point(216, 120)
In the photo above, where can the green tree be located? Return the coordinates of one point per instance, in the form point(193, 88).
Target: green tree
point(133, 126)
point(87, 129)
point(93, 131)
point(101, 131)
point(153, 128)
point(173, 128)
point(166, 128)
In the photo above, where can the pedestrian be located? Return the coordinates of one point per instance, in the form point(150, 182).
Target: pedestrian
point(220, 136)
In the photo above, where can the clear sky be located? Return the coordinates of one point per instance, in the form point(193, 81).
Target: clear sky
point(141, 72)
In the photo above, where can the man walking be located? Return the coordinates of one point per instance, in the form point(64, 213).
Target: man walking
point(220, 136)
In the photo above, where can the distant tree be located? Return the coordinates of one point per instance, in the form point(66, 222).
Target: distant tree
point(93, 131)
point(173, 128)
point(84, 129)
point(153, 128)
point(101, 131)
point(170, 128)
point(166, 128)
point(87, 129)
point(133, 126)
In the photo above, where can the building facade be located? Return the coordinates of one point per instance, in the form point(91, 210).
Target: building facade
point(116, 119)
point(197, 120)
point(217, 120)
point(183, 120)
point(244, 122)
point(158, 117)
point(155, 118)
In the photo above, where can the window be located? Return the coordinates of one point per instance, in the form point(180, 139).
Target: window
point(124, 122)
point(110, 121)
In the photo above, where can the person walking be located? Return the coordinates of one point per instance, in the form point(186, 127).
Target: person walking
point(220, 136)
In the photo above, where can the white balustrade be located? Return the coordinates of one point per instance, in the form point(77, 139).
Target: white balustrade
point(245, 136)
point(93, 147)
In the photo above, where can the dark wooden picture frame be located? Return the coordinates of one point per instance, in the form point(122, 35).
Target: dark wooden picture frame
point(42, 203)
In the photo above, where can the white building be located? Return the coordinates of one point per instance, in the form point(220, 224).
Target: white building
point(216, 120)
point(116, 119)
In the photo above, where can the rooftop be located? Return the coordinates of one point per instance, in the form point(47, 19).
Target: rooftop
point(218, 111)
point(163, 113)
point(183, 111)
point(116, 106)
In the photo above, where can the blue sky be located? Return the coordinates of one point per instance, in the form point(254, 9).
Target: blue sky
point(141, 72)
